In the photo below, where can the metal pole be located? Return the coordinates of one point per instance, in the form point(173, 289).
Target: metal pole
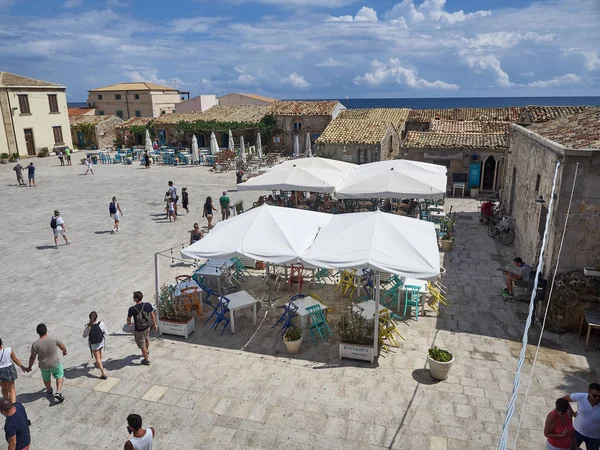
point(376, 318)
point(156, 276)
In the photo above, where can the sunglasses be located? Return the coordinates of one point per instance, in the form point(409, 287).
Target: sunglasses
point(594, 395)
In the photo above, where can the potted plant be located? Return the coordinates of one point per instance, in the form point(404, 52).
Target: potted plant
point(356, 336)
point(447, 242)
point(292, 340)
point(440, 362)
point(173, 318)
point(4, 158)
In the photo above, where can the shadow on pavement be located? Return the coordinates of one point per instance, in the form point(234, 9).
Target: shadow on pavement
point(116, 364)
point(103, 232)
point(45, 247)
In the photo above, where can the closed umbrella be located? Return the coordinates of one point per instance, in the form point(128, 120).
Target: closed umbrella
point(307, 149)
point(148, 142)
point(296, 147)
point(259, 146)
point(214, 146)
point(231, 145)
point(242, 149)
point(194, 149)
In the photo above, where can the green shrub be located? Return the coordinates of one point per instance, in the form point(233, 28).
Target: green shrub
point(43, 152)
point(293, 334)
point(4, 156)
point(355, 329)
point(437, 354)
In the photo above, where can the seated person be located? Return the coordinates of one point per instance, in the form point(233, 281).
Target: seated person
point(520, 277)
point(260, 201)
point(326, 206)
point(387, 206)
point(270, 200)
point(341, 206)
point(280, 201)
point(293, 198)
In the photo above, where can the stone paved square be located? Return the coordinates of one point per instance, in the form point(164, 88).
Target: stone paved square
point(242, 390)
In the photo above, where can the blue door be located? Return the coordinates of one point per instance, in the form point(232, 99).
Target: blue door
point(224, 140)
point(80, 139)
point(162, 137)
point(201, 140)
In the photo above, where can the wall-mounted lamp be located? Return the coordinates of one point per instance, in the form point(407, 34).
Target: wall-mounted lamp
point(540, 199)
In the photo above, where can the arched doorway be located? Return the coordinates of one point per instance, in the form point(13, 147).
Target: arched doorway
point(488, 179)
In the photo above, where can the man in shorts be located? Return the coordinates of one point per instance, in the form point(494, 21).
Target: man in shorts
point(520, 277)
point(587, 418)
point(224, 201)
point(45, 349)
point(143, 318)
point(31, 173)
point(58, 227)
point(16, 425)
point(19, 171)
point(173, 194)
point(68, 155)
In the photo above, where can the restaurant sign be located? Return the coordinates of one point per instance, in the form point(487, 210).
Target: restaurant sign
point(443, 154)
point(361, 352)
point(176, 328)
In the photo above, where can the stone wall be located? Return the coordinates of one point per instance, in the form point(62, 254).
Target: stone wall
point(388, 148)
point(573, 292)
point(284, 128)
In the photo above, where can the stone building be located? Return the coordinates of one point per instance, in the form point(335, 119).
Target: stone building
point(358, 141)
point(396, 116)
point(132, 132)
point(297, 118)
point(245, 99)
point(539, 114)
point(574, 140)
point(98, 132)
point(421, 119)
point(33, 115)
point(473, 159)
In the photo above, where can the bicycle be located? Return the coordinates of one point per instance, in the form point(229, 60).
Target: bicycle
point(502, 230)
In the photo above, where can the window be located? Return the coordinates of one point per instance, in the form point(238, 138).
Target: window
point(136, 96)
point(537, 183)
point(297, 126)
point(24, 104)
point(100, 113)
point(53, 102)
point(119, 114)
point(117, 96)
point(99, 96)
point(276, 139)
point(138, 114)
point(58, 137)
point(542, 223)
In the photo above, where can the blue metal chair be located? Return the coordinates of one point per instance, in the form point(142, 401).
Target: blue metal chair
point(318, 323)
point(289, 312)
point(412, 297)
point(219, 314)
point(209, 293)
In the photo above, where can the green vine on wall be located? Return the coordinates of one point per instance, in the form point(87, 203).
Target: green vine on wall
point(141, 129)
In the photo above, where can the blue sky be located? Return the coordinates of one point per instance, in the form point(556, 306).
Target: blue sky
point(309, 48)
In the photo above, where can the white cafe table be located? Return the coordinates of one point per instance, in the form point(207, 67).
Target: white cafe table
point(302, 304)
point(435, 208)
point(438, 214)
point(241, 300)
point(184, 284)
point(367, 309)
point(212, 268)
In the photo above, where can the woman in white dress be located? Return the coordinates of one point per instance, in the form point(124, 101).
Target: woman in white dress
point(96, 332)
point(8, 373)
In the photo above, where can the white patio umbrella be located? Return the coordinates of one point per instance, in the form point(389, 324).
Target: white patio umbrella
point(242, 149)
point(318, 163)
point(268, 233)
point(148, 147)
point(231, 145)
point(214, 146)
point(194, 149)
point(394, 179)
point(259, 146)
point(307, 149)
point(296, 147)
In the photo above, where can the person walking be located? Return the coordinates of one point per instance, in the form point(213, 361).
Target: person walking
point(96, 333)
point(45, 349)
point(146, 159)
point(141, 438)
point(89, 164)
point(68, 155)
point(173, 194)
point(61, 158)
point(208, 211)
point(143, 318)
point(239, 175)
point(185, 199)
point(19, 172)
point(114, 211)
point(8, 373)
point(16, 425)
point(171, 210)
point(587, 417)
point(558, 428)
point(195, 234)
point(58, 227)
point(31, 174)
point(224, 202)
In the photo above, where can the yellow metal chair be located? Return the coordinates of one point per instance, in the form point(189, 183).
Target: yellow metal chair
point(346, 282)
point(387, 330)
point(436, 298)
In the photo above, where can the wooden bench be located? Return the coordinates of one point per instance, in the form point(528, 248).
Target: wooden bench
point(592, 317)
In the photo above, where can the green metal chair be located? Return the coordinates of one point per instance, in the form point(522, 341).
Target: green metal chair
point(412, 297)
point(321, 275)
point(240, 270)
point(318, 323)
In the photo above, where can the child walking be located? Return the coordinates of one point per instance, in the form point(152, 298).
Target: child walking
point(172, 214)
point(185, 200)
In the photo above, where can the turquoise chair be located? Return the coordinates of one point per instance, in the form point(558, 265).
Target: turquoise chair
point(318, 323)
point(412, 297)
point(321, 275)
point(240, 270)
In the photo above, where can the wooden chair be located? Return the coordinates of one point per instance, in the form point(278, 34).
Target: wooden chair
point(191, 300)
point(296, 276)
point(182, 278)
point(346, 282)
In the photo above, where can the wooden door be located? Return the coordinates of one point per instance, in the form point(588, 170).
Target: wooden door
point(29, 141)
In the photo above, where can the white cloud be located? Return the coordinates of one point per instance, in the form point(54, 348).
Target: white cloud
point(117, 3)
point(592, 62)
point(332, 62)
point(190, 25)
point(526, 74)
point(296, 81)
point(489, 63)
point(364, 14)
point(505, 39)
point(431, 10)
point(72, 3)
point(330, 4)
point(246, 80)
point(150, 75)
point(394, 72)
point(568, 79)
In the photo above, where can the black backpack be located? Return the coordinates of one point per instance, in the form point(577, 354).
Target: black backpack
point(96, 335)
point(142, 319)
point(53, 223)
point(112, 208)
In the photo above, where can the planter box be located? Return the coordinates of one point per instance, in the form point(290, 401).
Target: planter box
point(591, 271)
point(361, 352)
point(439, 370)
point(176, 328)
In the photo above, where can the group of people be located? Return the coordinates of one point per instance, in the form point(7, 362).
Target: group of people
point(47, 350)
point(62, 154)
point(30, 173)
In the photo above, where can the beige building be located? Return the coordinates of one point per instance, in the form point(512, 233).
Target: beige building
point(137, 99)
point(33, 115)
point(200, 103)
point(245, 99)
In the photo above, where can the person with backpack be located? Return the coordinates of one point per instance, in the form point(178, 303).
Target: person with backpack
point(520, 277)
point(143, 318)
point(58, 228)
point(114, 210)
point(96, 333)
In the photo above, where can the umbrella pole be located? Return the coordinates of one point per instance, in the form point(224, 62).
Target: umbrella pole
point(376, 318)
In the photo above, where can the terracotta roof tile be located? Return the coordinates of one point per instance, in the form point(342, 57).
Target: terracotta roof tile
point(8, 79)
point(537, 114)
point(220, 113)
point(458, 126)
point(349, 131)
point(418, 139)
point(134, 86)
point(510, 114)
point(79, 111)
point(135, 121)
point(303, 108)
point(95, 120)
point(395, 116)
point(576, 131)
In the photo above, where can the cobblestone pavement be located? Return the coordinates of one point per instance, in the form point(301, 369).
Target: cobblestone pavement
point(242, 390)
